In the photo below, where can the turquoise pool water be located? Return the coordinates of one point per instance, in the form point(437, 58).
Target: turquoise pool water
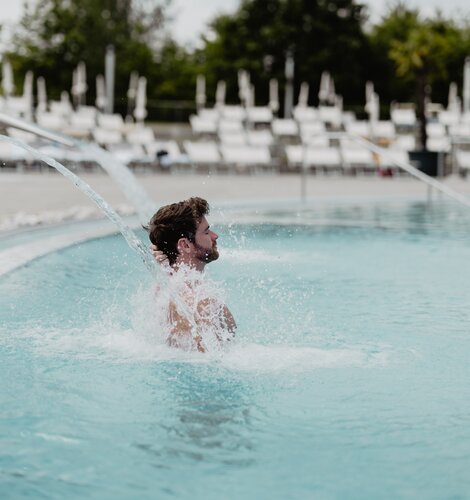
point(349, 377)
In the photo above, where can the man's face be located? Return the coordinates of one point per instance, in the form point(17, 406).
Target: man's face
point(205, 245)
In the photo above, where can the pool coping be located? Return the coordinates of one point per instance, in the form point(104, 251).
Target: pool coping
point(20, 255)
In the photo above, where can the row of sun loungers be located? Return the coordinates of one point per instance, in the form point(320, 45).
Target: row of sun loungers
point(306, 134)
point(239, 139)
point(343, 156)
point(231, 121)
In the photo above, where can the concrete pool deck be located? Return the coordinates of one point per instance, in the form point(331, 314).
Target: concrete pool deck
point(46, 197)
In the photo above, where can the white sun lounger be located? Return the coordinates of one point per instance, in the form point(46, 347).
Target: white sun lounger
point(51, 121)
point(462, 159)
point(259, 114)
point(330, 115)
point(236, 113)
point(230, 126)
point(435, 129)
point(130, 154)
point(140, 135)
point(246, 157)
point(201, 125)
point(439, 144)
point(384, 129)
point(233, 138)
point(460, 130)
point(360, 128)
point(203, 154)
point(105, 137)
point(403, 117)
point(405, 142)
point(326, 158)
point(111, 122)
point(262, 137)
point(305, 114)
point(167, 153)
point(285, 127)
point(312, 131)
point(356, 157)
point(13, 156)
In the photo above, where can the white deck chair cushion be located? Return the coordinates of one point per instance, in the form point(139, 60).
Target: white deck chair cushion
point(202, 125)
point(140, 135)
point(304, 114)
point(107, 137)
point(260, 138)
point(327, 157)
point(463, 159)
point(284, 127)
point(246, 155)
point(202, 152)
point(357, 156)
point(259, 114)
point(361, 128)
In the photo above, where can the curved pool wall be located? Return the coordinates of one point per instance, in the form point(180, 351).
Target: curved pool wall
point(21, 246)
point(348, 379)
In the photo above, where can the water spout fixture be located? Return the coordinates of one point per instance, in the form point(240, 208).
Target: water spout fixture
point(10, 121)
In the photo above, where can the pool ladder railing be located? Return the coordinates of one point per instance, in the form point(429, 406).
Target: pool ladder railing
point(383, 152)
point(20, 124)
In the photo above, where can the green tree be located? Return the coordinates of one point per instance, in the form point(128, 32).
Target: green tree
point(321, 36)
point(57, 34)
point(173, 79)
point(411, 55)
point(395, 25)
point(422, 56)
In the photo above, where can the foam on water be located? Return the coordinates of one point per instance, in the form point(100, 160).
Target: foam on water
point(115, 344)
point(117, 339)
point(249, 256)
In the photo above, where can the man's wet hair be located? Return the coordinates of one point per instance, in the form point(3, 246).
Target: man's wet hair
point(175, 221)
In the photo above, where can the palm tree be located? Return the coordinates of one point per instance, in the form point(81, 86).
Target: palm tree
point(422, 56)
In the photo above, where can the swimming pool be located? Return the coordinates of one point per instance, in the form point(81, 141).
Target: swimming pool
point(349, 377)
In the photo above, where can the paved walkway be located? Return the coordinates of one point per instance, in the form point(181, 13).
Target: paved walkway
point(27, 199)
point(39, 193)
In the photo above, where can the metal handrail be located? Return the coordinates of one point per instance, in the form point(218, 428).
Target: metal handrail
point(10, 121)
point(407, 167)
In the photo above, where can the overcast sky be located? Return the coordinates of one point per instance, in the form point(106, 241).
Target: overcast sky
point(191, 16)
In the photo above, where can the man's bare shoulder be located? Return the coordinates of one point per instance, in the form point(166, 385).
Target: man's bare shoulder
point(181, 331)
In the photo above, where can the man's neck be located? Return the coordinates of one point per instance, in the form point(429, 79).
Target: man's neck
point(191, 263)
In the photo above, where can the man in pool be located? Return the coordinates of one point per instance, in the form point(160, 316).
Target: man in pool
point(183, 240)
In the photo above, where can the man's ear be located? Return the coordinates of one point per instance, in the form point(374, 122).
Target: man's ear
point(183, 245)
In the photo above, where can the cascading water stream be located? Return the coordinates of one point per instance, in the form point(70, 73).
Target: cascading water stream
point(135, 243)
point(125, 179)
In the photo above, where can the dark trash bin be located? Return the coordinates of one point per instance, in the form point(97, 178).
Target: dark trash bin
point(426, 161)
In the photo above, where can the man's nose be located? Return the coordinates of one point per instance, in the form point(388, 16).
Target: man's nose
point(214, 235)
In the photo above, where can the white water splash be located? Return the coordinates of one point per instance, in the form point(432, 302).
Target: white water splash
point(125, 179)
point(118, 345)
point(251, 256)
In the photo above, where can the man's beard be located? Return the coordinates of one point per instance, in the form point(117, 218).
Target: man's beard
point(206, 255)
